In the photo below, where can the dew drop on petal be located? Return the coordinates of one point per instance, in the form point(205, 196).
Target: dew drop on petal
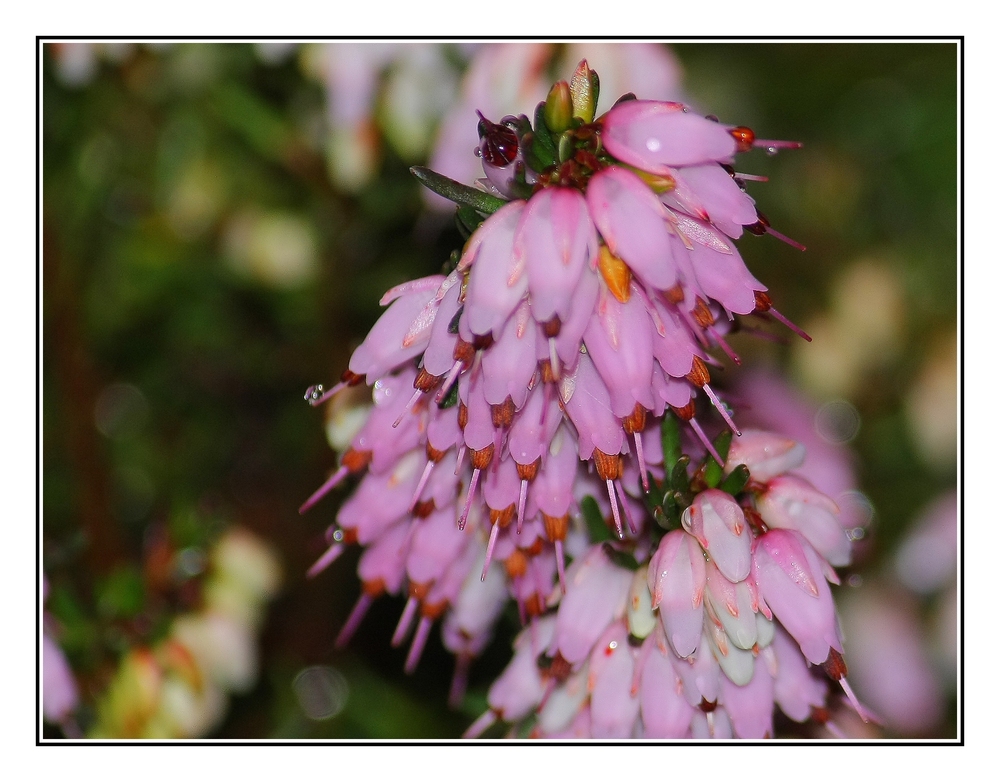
point(381, 393)
point(652, 144)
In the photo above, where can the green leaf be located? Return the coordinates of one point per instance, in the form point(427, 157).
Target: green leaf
point(468, 220)
point(737, 480)
point(620, 558)
point(670, 436)
point(542, 136)
point(596, 527)
point(462, 195)
point(451, 399)
point(713, 470)
point(678, 476)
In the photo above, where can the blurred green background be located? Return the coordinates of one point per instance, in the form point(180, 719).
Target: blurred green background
point(205, 258)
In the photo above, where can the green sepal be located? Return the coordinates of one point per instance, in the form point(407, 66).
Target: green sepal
point(543, 135)
point(468, 220)
point(566, 148)
point(536, 155)
point(713, 470)
point(597, 529)
point(463, 195)
point(737, 480)
point(679, 479)
point(620, 558)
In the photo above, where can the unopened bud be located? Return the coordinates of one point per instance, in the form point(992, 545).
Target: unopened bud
point(559, 108)
point(585, 89)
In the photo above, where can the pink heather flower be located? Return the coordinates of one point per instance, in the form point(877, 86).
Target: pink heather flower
point(60, 694)
point(523, 402)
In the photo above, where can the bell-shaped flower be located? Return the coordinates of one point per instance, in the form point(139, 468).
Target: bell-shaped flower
point(619, 342)
point(718, 196)
point(790, 581)
point(657, 136)
point(791, 502)
point(632, 222)
point(797, 691)
point(613, 706)
point(751, 706)
point(677, 583)
point(497, 280)
point(596, 591)
point(391, 341)
point(666, 714)
point(733, 606)
point(718, 523)
point(765, 454)
point(556, 241)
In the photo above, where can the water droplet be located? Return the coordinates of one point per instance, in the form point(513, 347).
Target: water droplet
point(321, 692)
point(857, 533)
point(313, 393)
point(190, 562)
point(381, 393)
point(837, 421)
point(653, 144)
point(772, 151)
point(334, 535)
point(854, 580)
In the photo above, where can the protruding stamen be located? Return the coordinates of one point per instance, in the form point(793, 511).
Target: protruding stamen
point(315, 395)
point(420, 486)
point(482, 724)
point(446, 386)
point(861, 710)
point(706, 442)
point(642, 461)
point(721, 408)
point(459, 680)
point(785, 239)
point(724, 345)
point(417, 647)
point(489, 549)
point(561, 565)
point(460, 458)
point(328, 558)
point(341, 473)
point(771, 146)
point(520, 505)
point(409, 406)
point(614, 509)
point(788, 324)
point(750, 177)
point(405, 620)
point(468, 499)
point(628, 513)
point(354, 620)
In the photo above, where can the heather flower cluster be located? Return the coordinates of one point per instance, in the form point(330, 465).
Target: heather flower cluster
point(540, 432)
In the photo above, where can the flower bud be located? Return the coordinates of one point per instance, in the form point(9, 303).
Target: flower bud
point(559, 108)
point(585, 89)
